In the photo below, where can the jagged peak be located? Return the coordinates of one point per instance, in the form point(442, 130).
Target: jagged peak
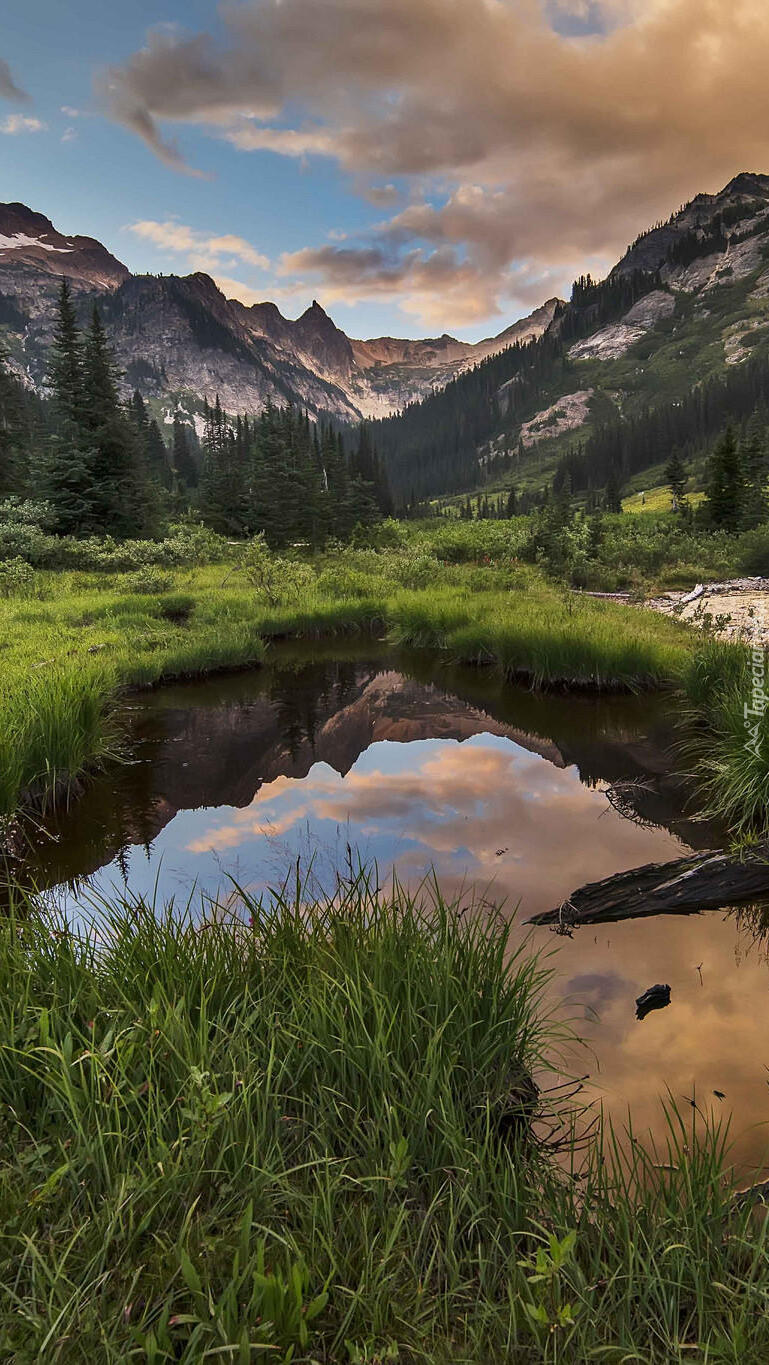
point(746, 182)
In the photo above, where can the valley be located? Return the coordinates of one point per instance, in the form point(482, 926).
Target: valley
point(335, 674)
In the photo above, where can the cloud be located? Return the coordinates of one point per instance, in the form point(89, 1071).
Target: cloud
point(431, 284)
point(69, 135)
point(383, 196)
point(9, 90)
point(203, 251)
point(15, 124)
point(537, 136)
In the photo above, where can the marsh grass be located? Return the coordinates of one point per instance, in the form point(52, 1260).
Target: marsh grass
point(281, 1139)
point(730, 766)
point(67, 654)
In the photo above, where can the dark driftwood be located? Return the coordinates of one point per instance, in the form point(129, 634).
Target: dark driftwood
point(706, 881)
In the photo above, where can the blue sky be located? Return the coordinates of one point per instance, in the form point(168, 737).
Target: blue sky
point(416, 165)
point(102, 179)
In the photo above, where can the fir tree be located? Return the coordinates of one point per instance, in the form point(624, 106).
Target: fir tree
point(66, 373)
point(726, 484)
point(120, 487)
point(753, 459)
point(613, 496)
point(67, 469)
point(184, 466)
point(14, 453)
point(676, 477)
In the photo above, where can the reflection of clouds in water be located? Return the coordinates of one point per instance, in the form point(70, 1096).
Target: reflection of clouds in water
point(711, 1037)
point(438, 802)
point(407, 807)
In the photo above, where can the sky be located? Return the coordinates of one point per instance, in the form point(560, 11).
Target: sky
point(418, 166)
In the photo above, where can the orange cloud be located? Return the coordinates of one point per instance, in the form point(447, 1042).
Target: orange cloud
point(528, 150)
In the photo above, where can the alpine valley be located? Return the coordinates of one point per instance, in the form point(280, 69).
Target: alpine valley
point(673, 344)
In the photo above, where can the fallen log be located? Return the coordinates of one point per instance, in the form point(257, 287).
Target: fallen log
point(686, 886)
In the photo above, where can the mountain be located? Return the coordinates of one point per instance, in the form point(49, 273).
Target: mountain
point(665, 350)
point(180, 341)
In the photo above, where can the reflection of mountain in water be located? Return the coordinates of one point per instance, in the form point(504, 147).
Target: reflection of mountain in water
point(216, 743)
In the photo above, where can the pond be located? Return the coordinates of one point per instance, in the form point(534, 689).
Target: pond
point(324, 760)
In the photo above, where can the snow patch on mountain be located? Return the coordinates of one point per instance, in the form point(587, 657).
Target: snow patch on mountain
point(20, 239)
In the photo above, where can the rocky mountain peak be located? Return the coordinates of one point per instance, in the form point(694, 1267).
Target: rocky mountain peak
point(29, 239)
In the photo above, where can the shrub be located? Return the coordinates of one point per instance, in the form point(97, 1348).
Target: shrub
point(278, 580)
point(149, 580)
point(753, 551)
point(17, 578)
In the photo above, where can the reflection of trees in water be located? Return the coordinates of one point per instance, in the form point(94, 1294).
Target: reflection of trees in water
point(302, 695)
point(627, 799)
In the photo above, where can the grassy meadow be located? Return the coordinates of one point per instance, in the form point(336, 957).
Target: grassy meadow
point(311, 1136)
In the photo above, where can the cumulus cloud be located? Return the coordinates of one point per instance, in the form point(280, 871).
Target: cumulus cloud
point(203, 251)
point(15, 124)
point(9, 90)
point(543, 133)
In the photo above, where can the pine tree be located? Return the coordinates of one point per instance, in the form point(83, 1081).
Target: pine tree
point(66, 372)
point(155, 456)
point(613, 496)
point(753, 458)
point(67, 467)
point(676, 477)
point(14, 453)
point(121, 495)
point(726, 484)
point(184, 466)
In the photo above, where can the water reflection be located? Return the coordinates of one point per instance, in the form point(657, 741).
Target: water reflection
point(498, 790)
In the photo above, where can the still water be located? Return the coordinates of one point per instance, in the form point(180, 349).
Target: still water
point(406, 766)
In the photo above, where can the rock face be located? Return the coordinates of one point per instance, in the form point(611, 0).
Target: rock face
point(180, 341)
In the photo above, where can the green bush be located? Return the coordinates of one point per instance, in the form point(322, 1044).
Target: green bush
point(17, 578)
point(149, 580)
point(753, 551)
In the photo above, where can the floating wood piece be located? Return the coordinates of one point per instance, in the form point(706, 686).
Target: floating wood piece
point(656, 998)
point(686, 886)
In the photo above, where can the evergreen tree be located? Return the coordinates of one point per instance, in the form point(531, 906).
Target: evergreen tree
point(66, 373)
point(67, 473)
point(120, 489)
point(726, 484)
point(675, 477)
point(155, 455)
point(14, 453)
point(613, 495)
point(184, 466)
point(753, 459)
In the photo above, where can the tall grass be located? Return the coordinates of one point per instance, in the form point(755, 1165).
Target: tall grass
point(730, 764)
point(305, 1137)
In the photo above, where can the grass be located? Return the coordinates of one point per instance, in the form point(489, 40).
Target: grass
point(68, 649)
point(656, 499)
point(306, 1137)
point(728, 755)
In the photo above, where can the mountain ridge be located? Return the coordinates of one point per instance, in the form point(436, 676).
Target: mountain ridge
point(180, 340)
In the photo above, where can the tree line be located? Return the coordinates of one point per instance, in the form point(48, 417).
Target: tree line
point(103, 467)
